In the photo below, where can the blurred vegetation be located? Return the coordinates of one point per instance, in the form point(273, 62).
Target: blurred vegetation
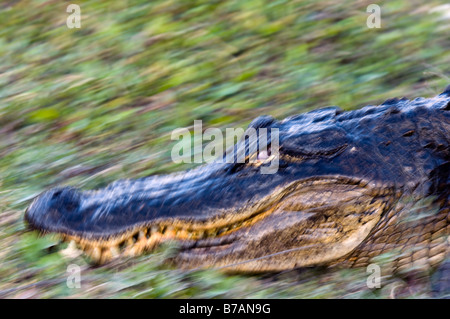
point(88, 106)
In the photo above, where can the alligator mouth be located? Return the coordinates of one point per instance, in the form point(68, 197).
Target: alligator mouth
point(316, 209)
point(147, 237)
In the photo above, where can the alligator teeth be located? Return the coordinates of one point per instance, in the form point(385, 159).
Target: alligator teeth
point(170, 232)
point(145, 239)
point(72, 244)
point(134, 250)
point(253, 158)
point(200, 234)
point(114, 250)
point(106, 255)
point(212, 232)
point(154, 240)
point(94, 253)
point(222, 230)
point(182, 234)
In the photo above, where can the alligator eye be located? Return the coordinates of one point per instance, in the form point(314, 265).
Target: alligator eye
point(56, 194)
point(321, 144)
point(299, 153)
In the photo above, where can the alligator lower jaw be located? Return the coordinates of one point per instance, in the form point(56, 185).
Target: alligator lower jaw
point(142, 239)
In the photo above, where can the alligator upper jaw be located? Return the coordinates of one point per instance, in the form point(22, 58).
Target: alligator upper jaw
point(294, 210)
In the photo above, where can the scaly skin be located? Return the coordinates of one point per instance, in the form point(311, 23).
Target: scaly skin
point(350, 186)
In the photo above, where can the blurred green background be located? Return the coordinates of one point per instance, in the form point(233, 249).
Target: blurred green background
point(88, 106)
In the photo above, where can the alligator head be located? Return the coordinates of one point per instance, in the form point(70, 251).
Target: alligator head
point(335, 194)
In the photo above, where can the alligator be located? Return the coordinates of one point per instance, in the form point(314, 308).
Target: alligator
point(350, 185)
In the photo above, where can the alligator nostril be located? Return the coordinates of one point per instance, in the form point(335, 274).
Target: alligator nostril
point(54, 207)
point(65, 199)
point(56, 194)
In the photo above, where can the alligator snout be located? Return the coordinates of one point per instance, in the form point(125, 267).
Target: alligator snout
point(55, 208)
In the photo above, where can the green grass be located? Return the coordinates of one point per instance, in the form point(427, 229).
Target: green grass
point(88, 106)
